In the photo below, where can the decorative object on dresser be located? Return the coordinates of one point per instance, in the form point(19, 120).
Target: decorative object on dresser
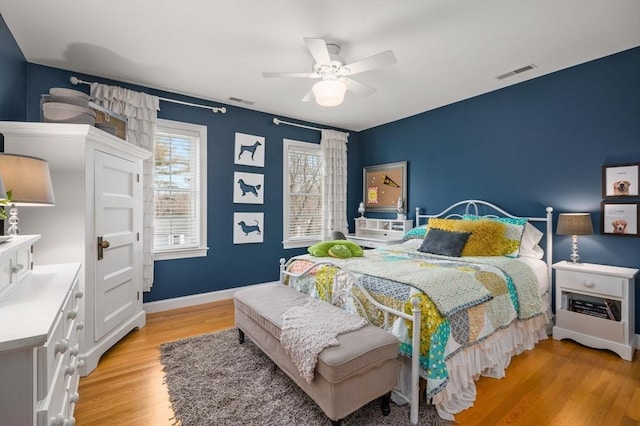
point(29, 181)
point(574, 224)
point(40, 324)
point(97, 220)
point(361, 209)
point(373, 233)
point(595, 306)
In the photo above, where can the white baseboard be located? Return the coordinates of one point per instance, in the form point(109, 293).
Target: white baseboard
point(195, 299)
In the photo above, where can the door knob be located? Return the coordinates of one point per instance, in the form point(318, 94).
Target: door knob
point(102, 244)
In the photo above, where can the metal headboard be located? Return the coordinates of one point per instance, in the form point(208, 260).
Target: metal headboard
point(487, 209)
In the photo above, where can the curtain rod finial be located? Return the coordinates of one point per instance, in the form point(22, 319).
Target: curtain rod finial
point(74, 80)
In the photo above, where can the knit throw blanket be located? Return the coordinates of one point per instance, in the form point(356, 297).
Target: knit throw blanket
point(310, 328)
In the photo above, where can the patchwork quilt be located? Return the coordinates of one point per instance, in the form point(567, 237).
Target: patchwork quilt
point(463, 300)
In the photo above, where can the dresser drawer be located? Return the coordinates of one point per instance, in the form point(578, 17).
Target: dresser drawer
point(50, 356)
point(23, 262)
point(591, 283)
point(56, 401)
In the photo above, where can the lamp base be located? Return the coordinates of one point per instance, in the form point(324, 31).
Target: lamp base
point(574, 249)
point(13, 221)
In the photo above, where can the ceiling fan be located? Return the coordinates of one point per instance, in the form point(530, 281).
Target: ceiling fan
point(334, 74)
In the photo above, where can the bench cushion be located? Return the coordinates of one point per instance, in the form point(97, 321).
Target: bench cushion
point(358, 351)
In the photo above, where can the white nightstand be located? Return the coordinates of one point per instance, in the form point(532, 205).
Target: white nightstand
point(372, 233)
point(586, 297)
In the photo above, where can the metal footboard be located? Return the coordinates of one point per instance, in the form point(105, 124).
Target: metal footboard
point(377, 310)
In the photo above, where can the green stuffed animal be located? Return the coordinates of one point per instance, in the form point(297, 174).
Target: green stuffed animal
point(328, 248)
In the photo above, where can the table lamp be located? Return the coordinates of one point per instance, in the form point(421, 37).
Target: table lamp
point(29, 181)
point(574, 224)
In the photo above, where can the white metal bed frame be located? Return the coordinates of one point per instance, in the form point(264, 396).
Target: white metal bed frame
point(470, 207)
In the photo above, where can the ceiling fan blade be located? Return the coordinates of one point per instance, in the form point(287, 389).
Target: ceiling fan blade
point(290, 74)
point(376, 61)
point(308, 97)
point(319, 51)
point(359, 88)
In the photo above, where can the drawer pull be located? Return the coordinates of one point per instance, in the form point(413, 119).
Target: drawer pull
point(588, 284)
point(80, 326)
point(57, 420)
point(61, 346)
point(80, 364)
point(73, 314)
point(74, 397)
point(79, 294)
point(75, 350)
point(71, 421)
point(69, 370)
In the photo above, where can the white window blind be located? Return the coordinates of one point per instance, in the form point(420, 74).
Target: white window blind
point(178, 190)
point(302, 194)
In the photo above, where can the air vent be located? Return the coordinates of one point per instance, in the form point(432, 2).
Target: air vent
point(240, 101)
point(516, 72)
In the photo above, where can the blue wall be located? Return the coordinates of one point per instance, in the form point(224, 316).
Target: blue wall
point(13, 81)
point(535, 144)
point(227, 265)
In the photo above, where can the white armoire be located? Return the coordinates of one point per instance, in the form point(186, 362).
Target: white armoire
point(96, 220)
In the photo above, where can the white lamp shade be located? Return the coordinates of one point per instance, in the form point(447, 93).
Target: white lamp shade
point(28, 179)
point(329, 92)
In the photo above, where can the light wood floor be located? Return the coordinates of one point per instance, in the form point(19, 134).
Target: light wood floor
point(557, 383)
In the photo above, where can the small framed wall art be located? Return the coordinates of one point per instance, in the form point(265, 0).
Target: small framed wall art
point(249, 150)
point(248, 227)
point(620, 180)
point(620, 219)
point(248, 188)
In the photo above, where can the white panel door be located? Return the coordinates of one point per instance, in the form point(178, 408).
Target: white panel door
point(118, 277)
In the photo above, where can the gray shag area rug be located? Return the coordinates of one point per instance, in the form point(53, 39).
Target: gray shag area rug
point(213, 380)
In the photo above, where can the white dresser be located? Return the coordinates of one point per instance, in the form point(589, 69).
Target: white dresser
point(39, 351)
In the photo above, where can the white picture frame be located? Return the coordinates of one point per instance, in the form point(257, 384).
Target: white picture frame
point(248, 188)
point(249, 150)
point(248, 227)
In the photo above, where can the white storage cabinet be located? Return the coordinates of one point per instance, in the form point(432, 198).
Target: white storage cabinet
point(373, 233)
point(96, 221)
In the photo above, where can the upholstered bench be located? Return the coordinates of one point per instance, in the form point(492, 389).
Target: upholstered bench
point(362, 368)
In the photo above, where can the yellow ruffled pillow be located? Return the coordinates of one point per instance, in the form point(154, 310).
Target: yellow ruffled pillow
point(486, 239)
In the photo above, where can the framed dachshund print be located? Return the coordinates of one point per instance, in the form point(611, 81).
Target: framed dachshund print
point(248, 227)
point(620, 180)
point(385, 187)
point(620, 219)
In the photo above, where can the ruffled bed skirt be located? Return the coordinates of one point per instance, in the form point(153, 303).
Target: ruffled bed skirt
point(489, 358)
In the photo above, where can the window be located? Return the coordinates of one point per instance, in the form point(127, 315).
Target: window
point(302, 194)
point(180, 192)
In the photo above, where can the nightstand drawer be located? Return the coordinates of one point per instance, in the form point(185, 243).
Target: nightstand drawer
point(592, 283)
point(592, 326)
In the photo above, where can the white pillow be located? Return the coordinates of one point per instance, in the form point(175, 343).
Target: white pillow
point(529, 244)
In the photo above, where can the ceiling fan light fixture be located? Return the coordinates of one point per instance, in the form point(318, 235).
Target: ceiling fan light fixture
point(329, 92)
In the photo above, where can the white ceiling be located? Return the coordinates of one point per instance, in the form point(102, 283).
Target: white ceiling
point(446, 51)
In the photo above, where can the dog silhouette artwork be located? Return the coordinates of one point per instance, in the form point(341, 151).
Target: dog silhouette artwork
point(245, 187)
point(247, 229)
point(249, 148)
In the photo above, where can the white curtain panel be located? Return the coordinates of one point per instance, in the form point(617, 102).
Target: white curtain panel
point(333, 146)
point(141, 111)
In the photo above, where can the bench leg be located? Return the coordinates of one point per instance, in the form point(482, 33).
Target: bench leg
point(385, 404)
point(240, 336)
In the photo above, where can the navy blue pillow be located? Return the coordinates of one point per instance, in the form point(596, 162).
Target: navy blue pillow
point(445, 243)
